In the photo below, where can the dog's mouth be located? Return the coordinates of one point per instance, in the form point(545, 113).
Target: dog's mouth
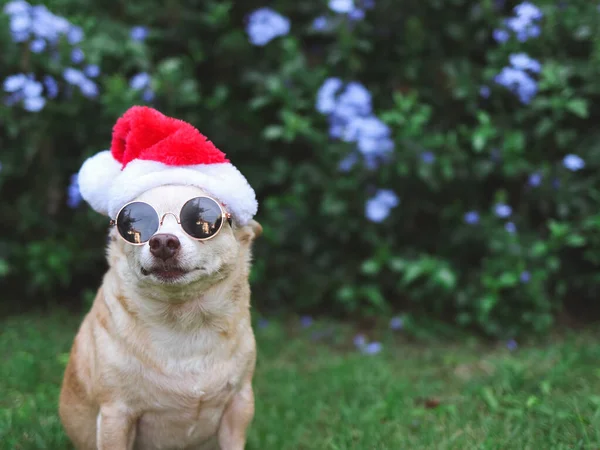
point(170, 274)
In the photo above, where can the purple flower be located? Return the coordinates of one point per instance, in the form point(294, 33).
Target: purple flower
point(500, 36)
point(535, 179)
point(34, 104)
point(378, 207)
point(91, 70)
point(502, 210)
point(75, 35)
point(326, 100)
point(341, 6)
point(354, 101)
point(525, 276)
point(510, 227)
point(51, 86)
point(265, 24)
point(356, 14)
point(16, 7)
point(484, 91)
point(472, 217)
point(320, 23)
point(262, 323)
point(73, 194)
point(32, 88)
point(372, 348)
point(139, 81)
point(139, 33)
point(512, 345)
point(522, 61)
point(367, 4)
point(519, 82)
point(360, 340)
point(73, 76)
point(20, 27)
point(532, 31)
point(14, 83)
point(527, 10)
point(37, 45)
point(427, 157)
point(348, 162)
point(573, 162)
point(148, 95)
point(371, 134)
point(523, 23)
point(306, 321)
point(88, 88)
point(77, 56)
point(396, 323)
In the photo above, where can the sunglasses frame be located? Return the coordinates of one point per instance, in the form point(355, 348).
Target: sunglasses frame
point(224, 216)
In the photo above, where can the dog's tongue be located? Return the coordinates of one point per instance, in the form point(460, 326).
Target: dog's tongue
point(145, 133)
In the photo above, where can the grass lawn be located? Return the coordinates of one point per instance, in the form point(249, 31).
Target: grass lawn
point(315, 391)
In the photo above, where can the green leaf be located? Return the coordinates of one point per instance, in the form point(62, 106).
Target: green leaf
point(273, 132)
point(489, 398)
point(370, 267)
point(579, 107)
point(413, 272)
point(4, 268)
point(508, 279)
point(446, 278)
point(397, 264)
point(575, 240)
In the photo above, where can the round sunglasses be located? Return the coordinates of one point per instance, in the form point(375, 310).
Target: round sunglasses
point(201, 218)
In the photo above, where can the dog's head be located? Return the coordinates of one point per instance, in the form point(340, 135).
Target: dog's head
point(174, 260)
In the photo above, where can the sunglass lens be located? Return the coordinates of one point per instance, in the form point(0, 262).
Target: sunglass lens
point(137, 222)
point(201, 217)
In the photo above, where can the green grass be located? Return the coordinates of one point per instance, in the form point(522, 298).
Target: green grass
point(322, 394)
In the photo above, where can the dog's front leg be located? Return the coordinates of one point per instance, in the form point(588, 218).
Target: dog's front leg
point(236, 419)
point(115, 428)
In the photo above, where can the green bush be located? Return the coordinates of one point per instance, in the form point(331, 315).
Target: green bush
point(431, 188)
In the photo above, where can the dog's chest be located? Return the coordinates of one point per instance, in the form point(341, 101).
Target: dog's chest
point(180, 397)
point(182, 405)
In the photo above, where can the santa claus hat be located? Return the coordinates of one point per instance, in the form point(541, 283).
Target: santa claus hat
point(148, 150)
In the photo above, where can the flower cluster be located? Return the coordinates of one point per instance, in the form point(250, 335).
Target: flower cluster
point(142, 82)
point(379, 206)
point(573, 162)
point(42, 31)
point(139, 33)
point(39, 26)
point(524, 24)
point(355, 11)
point(368, 348)
point(351, 119)
point(78, 78)
point(349, 7)
point(24, 88)
point(517, 77)
point(265, 24)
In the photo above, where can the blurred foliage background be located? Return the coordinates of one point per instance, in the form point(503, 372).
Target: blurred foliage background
point(433, 158)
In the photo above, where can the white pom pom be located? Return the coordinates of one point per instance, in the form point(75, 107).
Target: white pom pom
point(95, 179)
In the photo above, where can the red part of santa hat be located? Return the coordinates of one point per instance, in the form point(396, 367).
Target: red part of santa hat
point(148, 150)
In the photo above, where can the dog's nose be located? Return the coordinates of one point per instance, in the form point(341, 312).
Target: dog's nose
point(164, 246)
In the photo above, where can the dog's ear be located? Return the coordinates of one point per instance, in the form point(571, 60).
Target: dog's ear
point(248, 233)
